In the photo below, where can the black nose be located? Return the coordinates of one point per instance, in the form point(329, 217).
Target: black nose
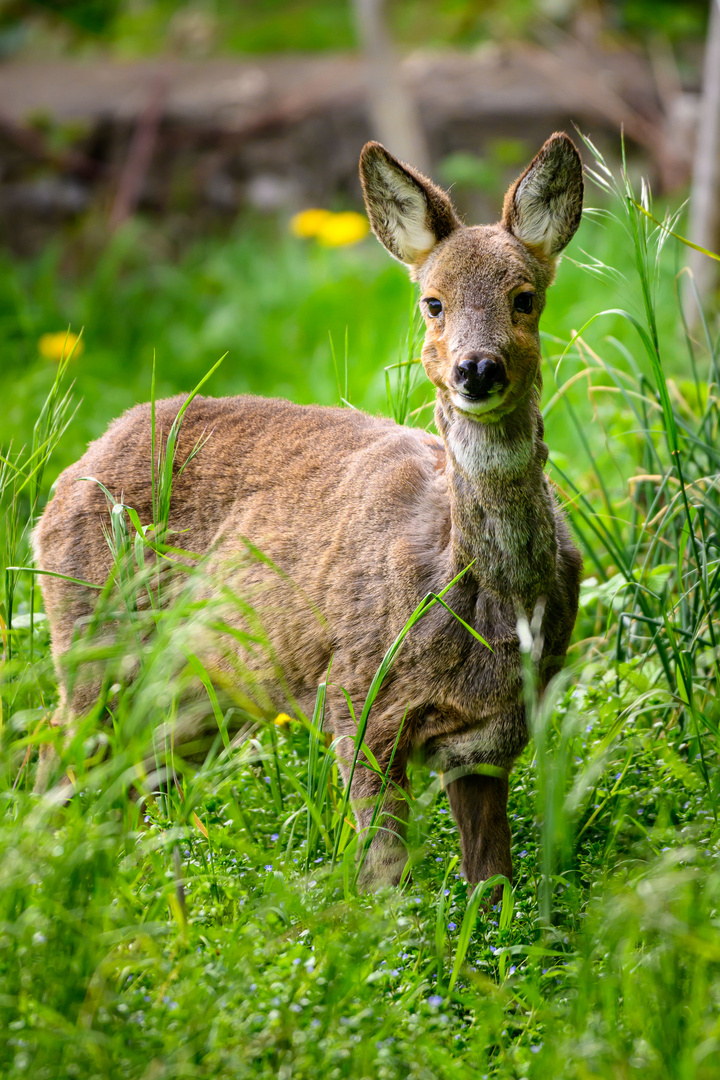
point(478, 376)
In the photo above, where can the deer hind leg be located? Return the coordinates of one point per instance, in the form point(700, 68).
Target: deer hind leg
point(73, 703)
point(48, 758)
point(79, 686)
point(479, 806)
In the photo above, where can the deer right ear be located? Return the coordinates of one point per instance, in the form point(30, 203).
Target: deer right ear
point(408, 213)
point(544, 206)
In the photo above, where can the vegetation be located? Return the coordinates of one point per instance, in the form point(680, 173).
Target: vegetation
point(201, 27)
point(210, 926)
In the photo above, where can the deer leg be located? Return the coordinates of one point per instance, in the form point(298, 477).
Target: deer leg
point(479, 806)
point(63, 718)
point(48, 759)
point(381, 816)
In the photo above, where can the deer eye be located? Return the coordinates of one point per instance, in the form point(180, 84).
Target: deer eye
point(434, 307)
point(524, 302)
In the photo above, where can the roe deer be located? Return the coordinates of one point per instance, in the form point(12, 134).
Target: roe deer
point(365, 517)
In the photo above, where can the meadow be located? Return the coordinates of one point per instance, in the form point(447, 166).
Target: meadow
point(211, 927)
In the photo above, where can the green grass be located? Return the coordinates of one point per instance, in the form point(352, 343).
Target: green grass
point(211, 928)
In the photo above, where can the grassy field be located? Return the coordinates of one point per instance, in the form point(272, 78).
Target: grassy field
point(213, 929)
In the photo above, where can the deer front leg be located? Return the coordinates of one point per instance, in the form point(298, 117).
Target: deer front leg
point(380, 816)
point(479, 806)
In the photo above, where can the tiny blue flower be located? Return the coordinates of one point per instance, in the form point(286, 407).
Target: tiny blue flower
point(268, 866)
point(435, 1000)
point(274, 837)
point(452, 926)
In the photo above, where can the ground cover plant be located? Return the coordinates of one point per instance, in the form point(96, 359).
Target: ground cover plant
point(210, 926)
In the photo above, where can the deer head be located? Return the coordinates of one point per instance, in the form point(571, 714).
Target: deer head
point(482, 287)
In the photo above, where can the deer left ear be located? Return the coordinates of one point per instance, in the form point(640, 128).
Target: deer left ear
point(544, 206)
point(408, 213)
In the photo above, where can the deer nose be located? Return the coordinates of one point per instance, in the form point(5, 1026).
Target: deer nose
point(478, 376)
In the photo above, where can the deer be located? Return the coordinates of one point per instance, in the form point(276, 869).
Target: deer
point(365, 517)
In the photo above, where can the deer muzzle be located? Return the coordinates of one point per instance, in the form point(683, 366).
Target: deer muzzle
point(477, 376)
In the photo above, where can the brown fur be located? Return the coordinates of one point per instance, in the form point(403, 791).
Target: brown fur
point(364, 518)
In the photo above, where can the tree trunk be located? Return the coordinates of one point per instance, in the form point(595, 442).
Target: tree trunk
point(703, 228)
point(392, 112)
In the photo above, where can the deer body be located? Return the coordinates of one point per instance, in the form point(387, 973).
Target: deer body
point(364, 518)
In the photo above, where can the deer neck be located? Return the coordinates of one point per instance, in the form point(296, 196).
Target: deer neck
point(502, 514)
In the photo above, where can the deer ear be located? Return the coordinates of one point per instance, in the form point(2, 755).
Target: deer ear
point(409, 214)
point(544, 205)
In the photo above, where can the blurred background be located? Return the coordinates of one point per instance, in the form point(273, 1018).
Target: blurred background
point(159, 161)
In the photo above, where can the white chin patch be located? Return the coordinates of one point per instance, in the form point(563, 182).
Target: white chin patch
point(475, 408)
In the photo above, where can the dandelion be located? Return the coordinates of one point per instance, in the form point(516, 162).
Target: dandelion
point(308, 223)
point(341, 230)
point(60, 345)
point(329, 229)
point(282, 720)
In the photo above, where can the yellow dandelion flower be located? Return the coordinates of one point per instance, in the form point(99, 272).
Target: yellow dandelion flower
point(60, 345)
point(309, 222)
point(343, 229)
point(282, 720)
